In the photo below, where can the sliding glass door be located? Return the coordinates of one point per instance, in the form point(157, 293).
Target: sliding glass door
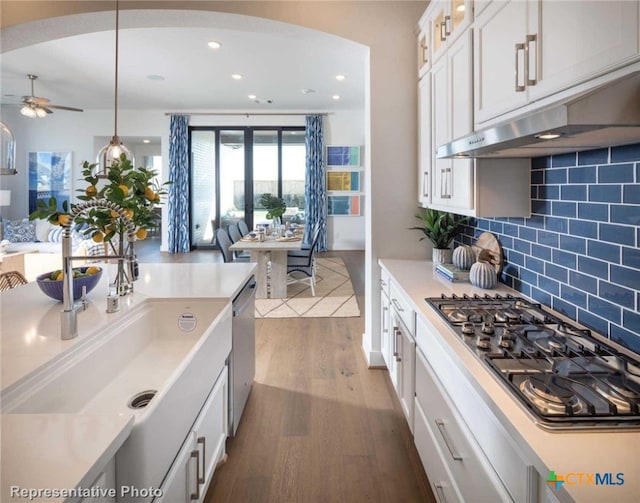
point(232, 167)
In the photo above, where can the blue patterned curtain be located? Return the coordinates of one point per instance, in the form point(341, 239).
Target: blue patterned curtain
point(315, 193)
point(179, 188)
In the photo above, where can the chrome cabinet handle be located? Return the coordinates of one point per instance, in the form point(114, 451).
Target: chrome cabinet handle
point(397, 305)
point(444, 192)
point(196, 454)
point(443, 32)
point(424, 58)
point(397, 354)
point(519, 88)
point(384, 328)
point(203, 441)
point(447, 21)
point(395, 342)
point(440, 491)
point(425, 183)
point(529, 39)
point(452, 450)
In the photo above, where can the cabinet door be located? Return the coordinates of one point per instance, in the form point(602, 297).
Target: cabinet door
point(407, 370)
point(181, 483)
point(441, 132)
point(449, 20)
point(385, 331)
point(576, 41)
point(499, 58)
point(211, 431)
point(425, 152)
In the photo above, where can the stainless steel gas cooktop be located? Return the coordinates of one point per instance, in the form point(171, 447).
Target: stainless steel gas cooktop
point(564, 376)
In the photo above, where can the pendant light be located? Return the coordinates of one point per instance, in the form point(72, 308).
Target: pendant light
point(115, 148)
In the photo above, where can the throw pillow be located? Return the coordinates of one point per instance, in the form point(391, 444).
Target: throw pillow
point(20, 231)
point(55, 235)
point(42, 229)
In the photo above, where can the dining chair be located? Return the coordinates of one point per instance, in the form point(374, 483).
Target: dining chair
point(304, 263)
point(235, 235)
point(304, 249)
point(243, 227)
point(11, 279)
point(224, 242)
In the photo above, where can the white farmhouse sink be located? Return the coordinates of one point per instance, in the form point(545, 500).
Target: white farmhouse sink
point(174, 347)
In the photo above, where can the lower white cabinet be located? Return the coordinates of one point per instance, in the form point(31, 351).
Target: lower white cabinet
point(406, 362)
point(385, 320)
point(192, 470)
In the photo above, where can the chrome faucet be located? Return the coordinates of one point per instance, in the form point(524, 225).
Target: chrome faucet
point(69, 324)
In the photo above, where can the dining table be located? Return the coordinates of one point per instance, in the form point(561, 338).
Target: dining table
point(273, 250)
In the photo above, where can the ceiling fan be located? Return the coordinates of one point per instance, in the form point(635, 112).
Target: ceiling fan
point(33, 106)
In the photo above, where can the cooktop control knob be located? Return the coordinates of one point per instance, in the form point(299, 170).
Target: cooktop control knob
point(484, 342)
point(468, 328)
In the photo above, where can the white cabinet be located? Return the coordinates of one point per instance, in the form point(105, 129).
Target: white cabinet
point(192, 470)
point(402, 361)
point(447, 20)
point(526, 50)
point(424, 47)
point(425, 153)
point(385, 319)
point(452, 111)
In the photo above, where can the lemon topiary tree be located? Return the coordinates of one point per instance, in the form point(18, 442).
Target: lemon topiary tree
point(136, 190)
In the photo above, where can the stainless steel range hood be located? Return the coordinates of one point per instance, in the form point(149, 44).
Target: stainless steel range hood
point(607, 116)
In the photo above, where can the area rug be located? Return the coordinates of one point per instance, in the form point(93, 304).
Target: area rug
point(334, 296)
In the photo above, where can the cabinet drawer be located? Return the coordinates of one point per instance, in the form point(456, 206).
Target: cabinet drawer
point(442, 483)
point(471, 470)
point(403, 307)
point(495, 444)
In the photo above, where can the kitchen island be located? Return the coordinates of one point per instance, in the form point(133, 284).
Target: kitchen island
point(574, 455)
point(72, 448)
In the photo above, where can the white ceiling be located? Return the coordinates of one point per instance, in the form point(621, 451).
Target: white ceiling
point(277, 62)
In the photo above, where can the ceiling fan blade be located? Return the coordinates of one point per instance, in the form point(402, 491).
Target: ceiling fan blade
point(69, 109)
point(35, 100)
point(46, 109)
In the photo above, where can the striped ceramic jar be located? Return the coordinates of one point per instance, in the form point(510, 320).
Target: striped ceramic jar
point(483, 275)
point(464, 257)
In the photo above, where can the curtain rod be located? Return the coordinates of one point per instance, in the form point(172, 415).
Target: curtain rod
point(246, 114)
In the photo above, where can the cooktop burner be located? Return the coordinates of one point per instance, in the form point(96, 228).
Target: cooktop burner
point(564, 375)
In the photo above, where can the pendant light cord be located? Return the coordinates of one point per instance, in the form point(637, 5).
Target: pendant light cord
point(115, 127)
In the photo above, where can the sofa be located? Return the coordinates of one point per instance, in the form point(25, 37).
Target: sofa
point(44, 242)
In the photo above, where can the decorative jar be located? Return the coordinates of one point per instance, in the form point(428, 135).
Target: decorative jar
point(463, 257)
point(483, 275)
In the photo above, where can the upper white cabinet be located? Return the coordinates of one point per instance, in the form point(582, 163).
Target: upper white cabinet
point(452, 116)
point(526, 50)
point(425, 154)
point(447, 21)
point(424, 47)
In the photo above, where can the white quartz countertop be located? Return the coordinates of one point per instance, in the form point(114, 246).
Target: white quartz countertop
point(564, 452)
point(59, 450)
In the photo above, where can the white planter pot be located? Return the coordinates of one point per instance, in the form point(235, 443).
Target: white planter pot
point(442, 256)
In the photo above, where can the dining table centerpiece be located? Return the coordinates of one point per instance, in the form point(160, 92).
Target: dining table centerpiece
point(275, 206)
point(136, 190)
point(440, 227)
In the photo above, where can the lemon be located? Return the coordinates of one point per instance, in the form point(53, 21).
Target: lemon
point(91, 190)
point(63, 219)
point(56, 275)
point(124, 189)
point(92, 270)
point(150, 194)
point(114, 214)
point(98, 237)
point(128, 213)
point(141, 233)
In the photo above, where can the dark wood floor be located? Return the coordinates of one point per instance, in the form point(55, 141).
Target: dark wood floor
point(319, 426)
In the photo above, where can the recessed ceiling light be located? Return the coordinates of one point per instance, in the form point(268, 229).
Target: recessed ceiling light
point(146, 141)
point(340, 77)
point(214, 44)
point(252, 96)
point(460, 8)
point(306, 90)
point(155, 77)
point(336, 96)
point(236, 76)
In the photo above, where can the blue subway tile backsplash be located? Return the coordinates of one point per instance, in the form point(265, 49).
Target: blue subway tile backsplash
point(579, 252)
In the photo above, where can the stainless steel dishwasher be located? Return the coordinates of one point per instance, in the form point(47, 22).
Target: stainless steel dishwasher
point(242, 361)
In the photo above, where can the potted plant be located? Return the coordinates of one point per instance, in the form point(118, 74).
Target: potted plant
point(275, 207)
point(440, 227)
point(133, 189)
